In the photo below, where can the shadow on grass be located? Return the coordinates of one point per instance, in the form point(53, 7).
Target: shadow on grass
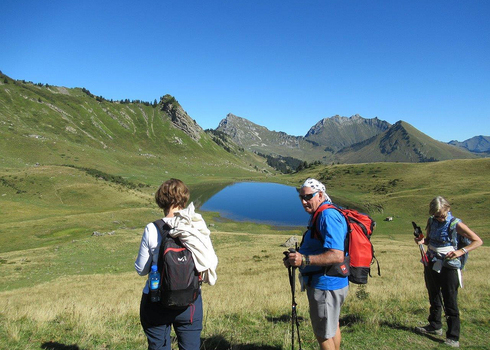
point(351, 319)
point(283, 319)
point(220, 343)
point(57, 346)
point(411, 330)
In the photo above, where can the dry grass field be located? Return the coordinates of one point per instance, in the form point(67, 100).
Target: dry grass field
point(248, 308)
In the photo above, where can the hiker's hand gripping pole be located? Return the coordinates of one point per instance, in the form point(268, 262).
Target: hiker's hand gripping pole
point(419, 236)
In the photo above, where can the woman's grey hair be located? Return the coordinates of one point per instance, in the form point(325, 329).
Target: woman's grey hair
point(439, 204)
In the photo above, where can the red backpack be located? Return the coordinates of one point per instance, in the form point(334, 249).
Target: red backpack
point(357, 244)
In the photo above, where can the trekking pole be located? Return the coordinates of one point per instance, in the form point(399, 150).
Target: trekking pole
point(294, 316)
point(417, 232)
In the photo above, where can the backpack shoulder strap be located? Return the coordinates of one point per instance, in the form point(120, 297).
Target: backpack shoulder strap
point(429, 225)
point(314, 229)
point(452, 231)
point(314, 226)
point(162, 227)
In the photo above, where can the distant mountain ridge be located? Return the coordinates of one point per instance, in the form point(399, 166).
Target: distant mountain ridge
point(344, 140)
point(338, 132)
point(401, 143)
point(476, 144)
point(259, 139)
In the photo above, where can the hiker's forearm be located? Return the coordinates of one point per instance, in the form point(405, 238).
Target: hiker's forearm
point(331, 256)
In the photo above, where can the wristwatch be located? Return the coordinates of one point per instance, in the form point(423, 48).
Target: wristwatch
point(307, 259)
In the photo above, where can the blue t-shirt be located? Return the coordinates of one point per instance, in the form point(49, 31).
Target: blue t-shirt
point(333, 228)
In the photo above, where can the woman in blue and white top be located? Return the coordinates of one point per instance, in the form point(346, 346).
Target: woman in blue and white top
point(443, 271)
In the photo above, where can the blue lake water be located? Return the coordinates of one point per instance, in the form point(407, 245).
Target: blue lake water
point(267, 203)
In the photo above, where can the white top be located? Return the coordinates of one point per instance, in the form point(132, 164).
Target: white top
point(192, 231)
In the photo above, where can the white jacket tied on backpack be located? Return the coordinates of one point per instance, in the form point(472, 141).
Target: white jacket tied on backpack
point(192, 231)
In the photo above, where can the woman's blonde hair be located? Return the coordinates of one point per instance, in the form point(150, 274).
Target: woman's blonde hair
point(172, 193)
point(439, 204)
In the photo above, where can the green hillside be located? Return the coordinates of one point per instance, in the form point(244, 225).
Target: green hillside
point(49, 125)
point(404, 190)
point(45, 205)
point(401, 143)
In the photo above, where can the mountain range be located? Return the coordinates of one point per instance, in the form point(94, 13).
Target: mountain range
point(476, 144)
point(40, 123)
point(344, 140)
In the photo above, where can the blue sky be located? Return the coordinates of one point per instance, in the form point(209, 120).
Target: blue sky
point(282, 64)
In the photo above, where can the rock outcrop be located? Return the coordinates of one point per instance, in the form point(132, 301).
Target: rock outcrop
point(180, 118)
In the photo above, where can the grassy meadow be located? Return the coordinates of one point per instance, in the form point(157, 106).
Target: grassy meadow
point(85, 295)
point(61, 287)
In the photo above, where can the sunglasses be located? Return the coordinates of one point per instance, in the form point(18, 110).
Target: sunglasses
point(440, 216)
point(307, 197)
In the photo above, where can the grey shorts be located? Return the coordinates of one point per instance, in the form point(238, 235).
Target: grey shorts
point(325, 310)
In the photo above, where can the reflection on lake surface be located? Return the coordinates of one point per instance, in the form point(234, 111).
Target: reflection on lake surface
point(267, 203)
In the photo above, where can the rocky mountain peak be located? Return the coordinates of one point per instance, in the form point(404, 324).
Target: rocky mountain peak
point(338, 132)
point(180, 118)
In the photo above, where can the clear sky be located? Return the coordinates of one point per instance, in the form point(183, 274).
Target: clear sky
point(282, 64)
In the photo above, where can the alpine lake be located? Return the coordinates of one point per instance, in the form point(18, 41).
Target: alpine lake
point(265, 203)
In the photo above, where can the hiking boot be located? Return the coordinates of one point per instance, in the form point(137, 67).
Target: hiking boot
point(428, 330)
point(452, 343)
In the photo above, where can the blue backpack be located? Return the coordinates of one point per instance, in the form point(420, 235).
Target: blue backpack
point(458, 241)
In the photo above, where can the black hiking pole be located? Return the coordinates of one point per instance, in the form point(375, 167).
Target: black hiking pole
point(294, 316)
point(417, 232)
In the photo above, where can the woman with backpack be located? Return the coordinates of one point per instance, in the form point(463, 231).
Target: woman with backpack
point(443, 271)
point(180, 226)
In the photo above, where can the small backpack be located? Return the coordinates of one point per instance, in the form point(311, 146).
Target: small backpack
point(179, 280)
point(357, 245)
point(457, 240)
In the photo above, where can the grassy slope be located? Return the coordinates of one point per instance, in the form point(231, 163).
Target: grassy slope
point(404, 190)
point(61, 203)
point(56, 126)
point(402, 143)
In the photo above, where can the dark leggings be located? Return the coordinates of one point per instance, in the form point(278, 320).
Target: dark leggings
point(445, 283)
point(157, 322)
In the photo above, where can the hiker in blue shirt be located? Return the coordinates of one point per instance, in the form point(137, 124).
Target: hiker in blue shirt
point(442, 273)
point(326, 294)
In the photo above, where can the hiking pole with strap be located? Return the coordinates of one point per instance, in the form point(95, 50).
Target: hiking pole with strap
point(294, 316)
point(417, 232)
